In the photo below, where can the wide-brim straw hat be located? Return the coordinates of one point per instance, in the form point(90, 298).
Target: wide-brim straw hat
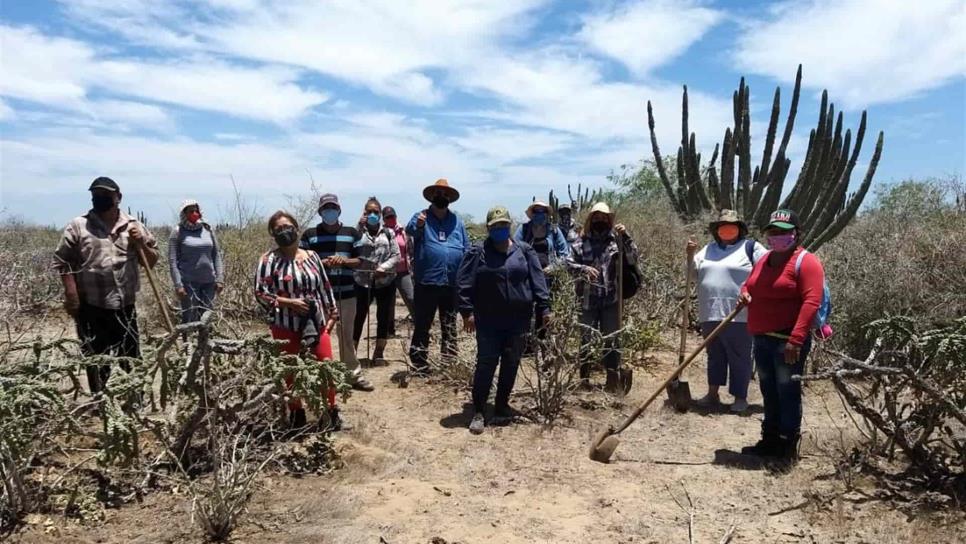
point(598, 207)
point(441, 184)
point(727, 216)
point(534, 205)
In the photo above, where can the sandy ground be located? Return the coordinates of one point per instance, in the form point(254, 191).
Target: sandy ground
point(414, 474)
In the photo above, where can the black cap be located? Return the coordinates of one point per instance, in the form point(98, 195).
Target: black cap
point(783, 219)
point(388, 211)
point(105, 183)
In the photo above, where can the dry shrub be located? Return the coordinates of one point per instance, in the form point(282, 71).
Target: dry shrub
point(902, 256)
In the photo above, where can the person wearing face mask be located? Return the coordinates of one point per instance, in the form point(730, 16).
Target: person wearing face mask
point(595, 260)
point(501, 285)
point(549, 243)
point(376, 278)
point(337, 245)
point(292, 287)
point(195, 262)
point(439, 242)
point(565, 218)
point(720, 268)
point(545, 238)
point(404, 280)
point(783, 294)
point(97, 260)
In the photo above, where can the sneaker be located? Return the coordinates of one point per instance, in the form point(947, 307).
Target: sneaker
point(476, 426)
point(709, 401)
point(360, 383)
point(768, 446)
point(504, 415)
point(739, 406)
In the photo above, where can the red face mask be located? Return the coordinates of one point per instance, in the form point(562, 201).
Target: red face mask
point(390, 222)
point(728, 232)
point(194, 217)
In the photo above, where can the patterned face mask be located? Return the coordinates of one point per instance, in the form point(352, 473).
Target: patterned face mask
point(781, 242)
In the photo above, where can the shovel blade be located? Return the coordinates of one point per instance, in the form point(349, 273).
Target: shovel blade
point(679, 394)
point(603, 451)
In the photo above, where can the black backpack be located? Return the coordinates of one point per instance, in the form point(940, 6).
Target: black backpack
point(633, 279)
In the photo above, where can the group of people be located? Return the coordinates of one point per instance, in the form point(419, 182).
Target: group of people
point(325, 278)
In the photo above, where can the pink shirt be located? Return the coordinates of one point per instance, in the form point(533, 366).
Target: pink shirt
point(402, 240)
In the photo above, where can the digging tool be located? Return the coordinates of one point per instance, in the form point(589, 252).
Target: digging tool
point(625, 375)
point(606, 442)
point(678, 391)
point(168, 324)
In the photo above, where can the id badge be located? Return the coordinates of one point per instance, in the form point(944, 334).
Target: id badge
point(441, 236)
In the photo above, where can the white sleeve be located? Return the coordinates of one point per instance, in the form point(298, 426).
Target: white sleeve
point(760, 251)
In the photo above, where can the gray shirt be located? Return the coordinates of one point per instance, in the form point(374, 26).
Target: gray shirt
point(194, 256)
point(721, 271)
point(378, 251)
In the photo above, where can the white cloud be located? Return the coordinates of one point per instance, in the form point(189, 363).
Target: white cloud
point(62, 72)
point(863, 51)
point(647, 33)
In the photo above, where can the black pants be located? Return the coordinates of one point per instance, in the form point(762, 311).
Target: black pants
point(428, 299)
point(492, 348)
point(385, 297)
point(107, 332)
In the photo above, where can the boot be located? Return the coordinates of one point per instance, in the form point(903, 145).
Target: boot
point(613, 383)
point(769, 446)
point(379, 354)
point(296, 418)
point(788, 449)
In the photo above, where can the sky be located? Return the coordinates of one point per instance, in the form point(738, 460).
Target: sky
point(506, 100)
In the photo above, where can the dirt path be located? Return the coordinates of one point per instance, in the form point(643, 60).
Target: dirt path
point(414, 474)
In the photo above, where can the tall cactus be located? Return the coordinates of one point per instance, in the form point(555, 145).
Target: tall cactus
point(820, 195)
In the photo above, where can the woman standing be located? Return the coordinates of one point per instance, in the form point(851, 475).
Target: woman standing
point(404, 280)
point(783, 294)
point(195, 262)
point(375, 278)
point(292, 286)
point(500, 282)
point(721, 268)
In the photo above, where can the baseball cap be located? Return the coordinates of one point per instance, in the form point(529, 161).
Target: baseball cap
point(497, 214)
point(105, 183)
point(783, 219)
point(388, 211)
point(329, 198)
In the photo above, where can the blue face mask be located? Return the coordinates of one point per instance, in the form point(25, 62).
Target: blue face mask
point(330, 216)
point(372, 219)
point(539, 218)
point(500, 234)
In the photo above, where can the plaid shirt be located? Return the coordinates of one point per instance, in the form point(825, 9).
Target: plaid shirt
point(105, 271)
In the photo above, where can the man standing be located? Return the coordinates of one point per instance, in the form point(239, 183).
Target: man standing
point(439, 242)
point(97, 260)
point(337, 246)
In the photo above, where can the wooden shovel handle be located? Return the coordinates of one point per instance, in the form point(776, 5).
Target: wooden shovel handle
point(154, 287)
point(677, 372)
point(686, 305)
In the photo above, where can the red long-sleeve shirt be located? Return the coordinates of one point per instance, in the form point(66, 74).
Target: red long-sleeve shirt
point(783, 301)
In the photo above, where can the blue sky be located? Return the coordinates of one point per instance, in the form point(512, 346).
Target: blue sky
point(505, 99)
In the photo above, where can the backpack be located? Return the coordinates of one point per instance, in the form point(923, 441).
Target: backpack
point(820, 322)
point(750, 251)
point(632, 277)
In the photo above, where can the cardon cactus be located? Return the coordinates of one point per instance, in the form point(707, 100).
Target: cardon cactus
point(820, 195)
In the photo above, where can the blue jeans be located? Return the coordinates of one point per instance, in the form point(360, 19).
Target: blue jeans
point(496, 347)
point(200, 298)
point(781, 395)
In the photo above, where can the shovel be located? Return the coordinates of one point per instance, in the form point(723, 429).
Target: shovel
point(678, 391)
point(154, 287)
point(606, 442)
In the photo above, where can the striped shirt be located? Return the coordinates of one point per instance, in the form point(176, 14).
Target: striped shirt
point(105, 270)
point(303, 278)
point(342, 243)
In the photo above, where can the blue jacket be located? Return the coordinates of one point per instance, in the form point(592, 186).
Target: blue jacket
point(559, 249)
point(501, 289)
point(438, 248)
